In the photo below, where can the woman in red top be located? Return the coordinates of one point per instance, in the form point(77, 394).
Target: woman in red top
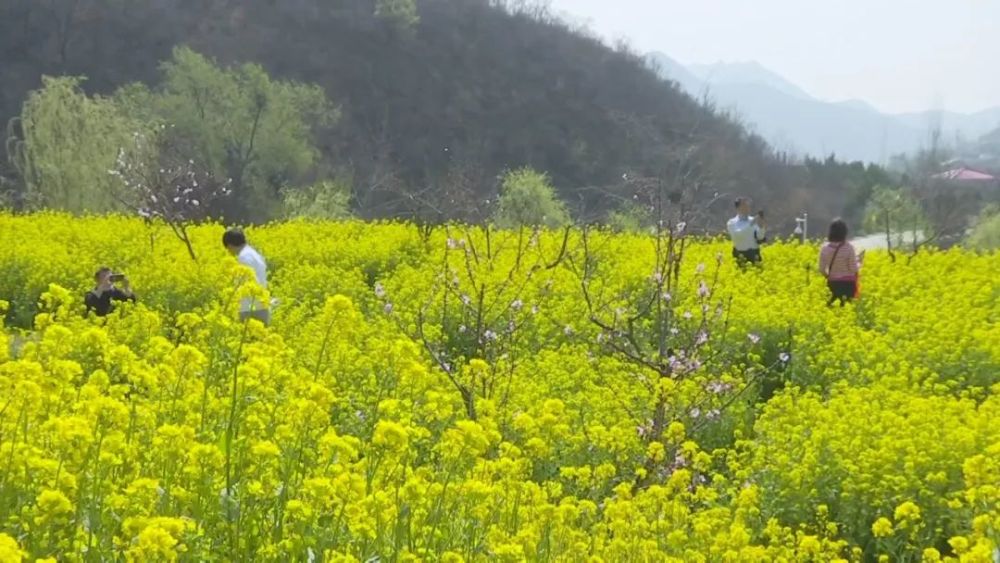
point(840, 263)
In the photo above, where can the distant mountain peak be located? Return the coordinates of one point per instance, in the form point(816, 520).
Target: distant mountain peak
point(791, 119)
point(669, 68)
point(746, 72)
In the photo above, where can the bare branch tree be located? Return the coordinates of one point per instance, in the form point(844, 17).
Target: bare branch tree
point(478, 309)
point(638, 321)
point(158, 185)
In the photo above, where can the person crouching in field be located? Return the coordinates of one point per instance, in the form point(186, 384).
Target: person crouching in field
point(840, 263)
point(236, 243)
point(100, 299)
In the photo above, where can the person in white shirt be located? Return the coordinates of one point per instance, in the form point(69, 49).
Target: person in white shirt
point(746, 233)
point(236, 243)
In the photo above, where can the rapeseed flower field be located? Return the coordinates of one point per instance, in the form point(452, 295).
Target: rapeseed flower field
point(464, 394)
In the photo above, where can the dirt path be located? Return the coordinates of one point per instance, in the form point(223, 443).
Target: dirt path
point(877, 242)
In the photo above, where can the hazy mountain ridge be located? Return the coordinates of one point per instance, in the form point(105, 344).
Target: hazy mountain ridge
point(794, 121)
point(750, 72)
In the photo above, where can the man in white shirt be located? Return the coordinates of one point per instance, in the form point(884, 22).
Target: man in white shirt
point(236, 243)
point(747, 233)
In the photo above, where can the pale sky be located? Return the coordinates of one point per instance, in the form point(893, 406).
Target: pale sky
point(898, 55)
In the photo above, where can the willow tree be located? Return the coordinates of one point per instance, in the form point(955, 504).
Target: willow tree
point(239, 124)
point(897, 214)
point(527, 199)
point(986, 231)
point(64, 143)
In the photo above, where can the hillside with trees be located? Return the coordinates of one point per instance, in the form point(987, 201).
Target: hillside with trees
point(384, 108)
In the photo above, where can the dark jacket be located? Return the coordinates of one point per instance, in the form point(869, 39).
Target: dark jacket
point(103, 304)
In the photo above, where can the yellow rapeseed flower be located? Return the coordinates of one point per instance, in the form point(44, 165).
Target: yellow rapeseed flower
point(10, 551)
point(882, 528)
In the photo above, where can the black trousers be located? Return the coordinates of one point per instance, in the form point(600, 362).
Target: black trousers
point(842, 290)
point(743, 257)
